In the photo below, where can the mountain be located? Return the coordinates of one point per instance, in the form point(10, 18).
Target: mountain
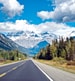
point(29, 39)
point(38, 47)
point(32, 42)
point(8, 44)
point(18, 33)
point(72, 34)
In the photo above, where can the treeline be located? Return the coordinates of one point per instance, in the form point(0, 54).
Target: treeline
point(62, 48)
point(11, 55)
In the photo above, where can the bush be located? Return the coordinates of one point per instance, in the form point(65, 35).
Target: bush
point(71, 63)
point(59, 59)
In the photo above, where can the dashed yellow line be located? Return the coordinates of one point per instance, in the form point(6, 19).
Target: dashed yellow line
point(14, 68)
point(3, 74)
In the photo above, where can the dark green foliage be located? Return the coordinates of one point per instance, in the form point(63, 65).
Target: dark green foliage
point(11, 55)
point(64, 49)
point(48, 55)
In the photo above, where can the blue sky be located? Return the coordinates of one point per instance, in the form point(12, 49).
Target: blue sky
point(31, 7)
point(31, 15)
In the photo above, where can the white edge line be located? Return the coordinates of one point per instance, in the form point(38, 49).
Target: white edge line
point(44, 72)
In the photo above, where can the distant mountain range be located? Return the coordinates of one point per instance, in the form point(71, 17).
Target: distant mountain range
point(28, 42)
point(8, 44)
point(38, 47)
point(30, 39)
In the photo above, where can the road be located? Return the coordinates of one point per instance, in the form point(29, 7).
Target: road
point(31, 70)
point(56, 74)
point(22, 71)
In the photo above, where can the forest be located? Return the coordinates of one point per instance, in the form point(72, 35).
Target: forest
point(12, 55)
point(59, 49)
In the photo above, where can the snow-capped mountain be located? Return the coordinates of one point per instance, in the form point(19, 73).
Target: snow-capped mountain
point(30, 39)
point(72, 34)
point(38, 47)
point(10, 34)
point(8, 44)
point(33, 42)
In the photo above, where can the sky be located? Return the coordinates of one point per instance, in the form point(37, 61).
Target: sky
point(55, 16)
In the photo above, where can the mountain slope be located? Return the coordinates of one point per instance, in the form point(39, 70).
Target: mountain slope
point(8, 44)
point(29, 39)
point(38, 47)
point(32, 42)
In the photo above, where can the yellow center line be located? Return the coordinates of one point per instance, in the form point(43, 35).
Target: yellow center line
point(3, 74)
point(14, 68)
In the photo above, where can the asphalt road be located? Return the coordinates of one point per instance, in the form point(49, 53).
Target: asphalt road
point(22, 71)
point(29, 70)
point(56, 74)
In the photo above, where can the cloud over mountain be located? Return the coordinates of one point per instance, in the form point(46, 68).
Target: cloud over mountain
point(23, 25)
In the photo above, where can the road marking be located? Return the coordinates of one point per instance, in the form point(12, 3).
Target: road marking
point(3, 74)
point(43, 72)
point(14, 68)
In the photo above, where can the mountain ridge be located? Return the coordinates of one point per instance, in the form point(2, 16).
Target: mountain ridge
point(30, 39)
point(38, 47)
point(8, 44)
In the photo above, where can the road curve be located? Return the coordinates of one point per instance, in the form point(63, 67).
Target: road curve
point(23, 71)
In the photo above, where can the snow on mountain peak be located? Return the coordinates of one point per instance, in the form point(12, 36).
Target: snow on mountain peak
point(29, 39)
point(72, 34)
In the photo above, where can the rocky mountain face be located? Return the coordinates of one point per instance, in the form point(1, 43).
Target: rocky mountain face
point(30, 39)
point(38, 47)
point(8, 44)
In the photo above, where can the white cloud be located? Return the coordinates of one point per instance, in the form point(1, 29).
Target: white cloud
point(64, 11)
point(19, 25)
point(44, 14)
point(11, 7)
point(59, 29)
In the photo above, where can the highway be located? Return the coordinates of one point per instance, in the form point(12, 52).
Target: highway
point(31, 70)
point(22, 71)
point(56, 74)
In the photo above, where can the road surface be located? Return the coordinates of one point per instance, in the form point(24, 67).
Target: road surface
point(29, 70)
point(56, 74)
point(22, 71)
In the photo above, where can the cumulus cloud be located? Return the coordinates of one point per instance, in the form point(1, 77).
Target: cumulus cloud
point(44, 14)
point(64, 11)
point(59, 29)
point(19, 25)
point(11, 7)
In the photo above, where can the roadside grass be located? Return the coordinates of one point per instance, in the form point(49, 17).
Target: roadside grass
point(60, 64)
point(9, 61)
point(6, 62)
